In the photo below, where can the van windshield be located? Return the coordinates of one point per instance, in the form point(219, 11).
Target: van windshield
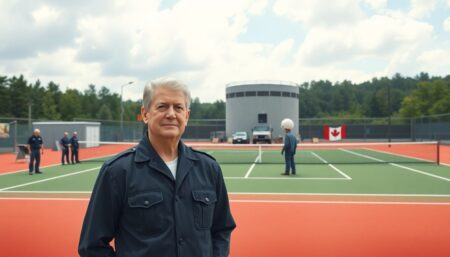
point(261, 128)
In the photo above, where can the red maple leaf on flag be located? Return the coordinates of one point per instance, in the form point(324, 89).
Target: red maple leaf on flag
point(335, 133)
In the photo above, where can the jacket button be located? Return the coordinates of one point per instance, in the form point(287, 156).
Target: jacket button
point(146, 202)
point(180, 240)
point(206, 199)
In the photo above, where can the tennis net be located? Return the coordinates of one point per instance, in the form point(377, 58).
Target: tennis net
point(309, 153)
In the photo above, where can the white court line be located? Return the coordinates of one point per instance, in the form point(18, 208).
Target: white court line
point(285, 178)
point(251, 168)
point(398, 165)
point(396, 154)
point(256, 201)
point(47, 192)
point(361, 155)
point(405, 156)
point(419, 171)
point(339, 194)
point(338, 202)
point(17, 171)
point(332, 166)
point(53, 165)
point(48, 179)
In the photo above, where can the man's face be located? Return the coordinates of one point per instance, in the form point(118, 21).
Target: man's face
point(167, 116)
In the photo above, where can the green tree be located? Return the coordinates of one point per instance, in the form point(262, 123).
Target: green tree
point(36, 95)
point(5, 104)
point(70, 105)
point(19, 96)
point(430, 97)
point(104, 113)
point(113, 102)
point(49, 107)
point(90, 103)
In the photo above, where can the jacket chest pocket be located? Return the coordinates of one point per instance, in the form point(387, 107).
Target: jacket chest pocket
point(147, 211)
point(204, 203)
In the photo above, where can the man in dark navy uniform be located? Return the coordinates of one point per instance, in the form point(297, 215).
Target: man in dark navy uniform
point(74, 148)
point(36, 148)
point(289, 147)
point(65, 142)
point(161, 198)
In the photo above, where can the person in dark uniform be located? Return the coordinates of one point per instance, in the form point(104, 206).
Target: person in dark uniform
point(36, 149)
point(161, 198)
point(65, 142)
point(289, 147)
point(74, 148)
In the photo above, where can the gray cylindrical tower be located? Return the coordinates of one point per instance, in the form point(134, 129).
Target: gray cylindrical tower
point(253, 103)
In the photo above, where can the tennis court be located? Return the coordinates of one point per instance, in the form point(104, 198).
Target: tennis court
point(346, 200)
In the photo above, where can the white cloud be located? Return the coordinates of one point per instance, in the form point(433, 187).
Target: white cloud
point(422, 8)
point(45, 15)
point(435, 61)
point(258, 7)
point(313, 13)
point(446, 24)
point(379, 35)
point(377, 4)
point(75, 43)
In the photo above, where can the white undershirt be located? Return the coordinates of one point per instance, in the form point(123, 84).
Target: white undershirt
point(173, 167)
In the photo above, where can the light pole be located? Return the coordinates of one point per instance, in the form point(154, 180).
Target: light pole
point(121, 108)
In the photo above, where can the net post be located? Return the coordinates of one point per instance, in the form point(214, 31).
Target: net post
point(260, 153)
point(438, 146)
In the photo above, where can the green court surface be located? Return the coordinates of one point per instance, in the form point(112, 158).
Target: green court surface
point(367, 173)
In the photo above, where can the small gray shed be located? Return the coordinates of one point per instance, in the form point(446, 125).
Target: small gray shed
point(53, 131)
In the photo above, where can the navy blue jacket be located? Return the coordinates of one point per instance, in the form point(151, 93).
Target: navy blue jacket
point(35, 142)
point(137, 202)
point(65, 142)
point(290, 144)
point(74, 142)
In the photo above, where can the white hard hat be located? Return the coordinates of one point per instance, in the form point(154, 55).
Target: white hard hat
point(287, 124)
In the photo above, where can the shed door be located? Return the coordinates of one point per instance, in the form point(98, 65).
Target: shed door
point(92, 136)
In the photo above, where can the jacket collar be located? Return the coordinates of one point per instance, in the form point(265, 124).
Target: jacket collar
point(146, 153)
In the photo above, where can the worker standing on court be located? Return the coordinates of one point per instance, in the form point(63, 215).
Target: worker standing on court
point(65, 142)
point(161, 198)
point(74, 146)
point(289, 147)
point(36, 149)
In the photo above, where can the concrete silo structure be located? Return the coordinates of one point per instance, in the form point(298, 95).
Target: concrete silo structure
point(253, 103)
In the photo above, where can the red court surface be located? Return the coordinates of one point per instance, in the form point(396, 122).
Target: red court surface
point(50, 228)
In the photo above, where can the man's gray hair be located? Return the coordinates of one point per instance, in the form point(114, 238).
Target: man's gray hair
point(165, 82)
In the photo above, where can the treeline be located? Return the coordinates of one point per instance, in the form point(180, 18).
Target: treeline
point(48, 102)
point(397, 96)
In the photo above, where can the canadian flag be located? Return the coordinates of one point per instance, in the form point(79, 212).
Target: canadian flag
point(334, 133)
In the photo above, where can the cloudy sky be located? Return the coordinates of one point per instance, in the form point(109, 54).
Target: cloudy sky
point(209, 43)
